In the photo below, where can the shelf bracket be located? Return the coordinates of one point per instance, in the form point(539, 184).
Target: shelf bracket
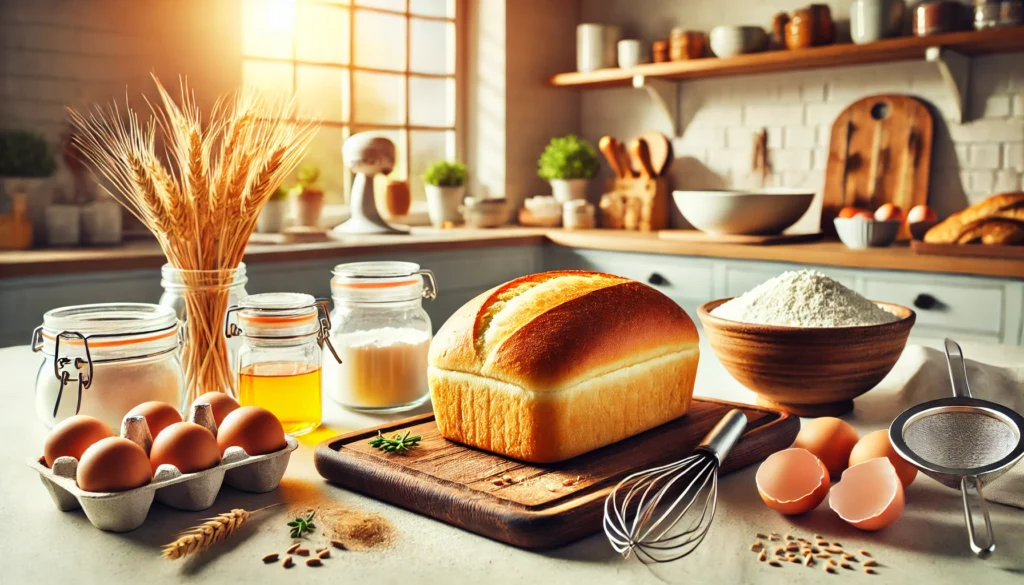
point(665, 96)
point(955, 70)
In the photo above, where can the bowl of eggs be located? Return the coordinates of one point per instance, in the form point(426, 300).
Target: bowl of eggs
point(159, 455)
point(859, 228)
point(871, 475)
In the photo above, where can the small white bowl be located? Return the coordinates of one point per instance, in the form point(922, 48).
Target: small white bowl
point(743, 212)
point(729, 41)
point(859, 233)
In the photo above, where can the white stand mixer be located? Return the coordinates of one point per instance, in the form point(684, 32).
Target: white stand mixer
point(366, 155)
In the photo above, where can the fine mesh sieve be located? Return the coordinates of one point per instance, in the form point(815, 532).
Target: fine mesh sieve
point(961, 441)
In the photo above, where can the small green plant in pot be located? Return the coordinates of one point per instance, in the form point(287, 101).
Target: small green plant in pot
point(568, 163)
point(26, 162)
point(445, 186)
point(307, 197)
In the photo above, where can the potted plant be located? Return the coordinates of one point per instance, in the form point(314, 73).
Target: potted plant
point(568, 163)
point(272, 216)
point(445, 186)
point(307, 198)
point(26, 162)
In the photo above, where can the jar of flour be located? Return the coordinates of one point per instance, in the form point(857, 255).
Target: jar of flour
point(382, 335)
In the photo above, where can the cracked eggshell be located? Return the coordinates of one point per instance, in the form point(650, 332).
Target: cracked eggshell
point(792, 481)
point(877, 444)
point(869, 496)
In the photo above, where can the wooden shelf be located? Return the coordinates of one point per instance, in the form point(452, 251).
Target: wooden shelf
point(970, 43)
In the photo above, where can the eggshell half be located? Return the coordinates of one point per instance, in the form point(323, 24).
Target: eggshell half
point(877, 444)
point(792, 481)
point(869, 496)
point(829, 439)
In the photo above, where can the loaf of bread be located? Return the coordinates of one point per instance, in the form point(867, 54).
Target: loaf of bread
point(553, 365)
point(964, 224)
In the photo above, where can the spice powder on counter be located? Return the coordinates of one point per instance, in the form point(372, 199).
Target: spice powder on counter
point(357, 530)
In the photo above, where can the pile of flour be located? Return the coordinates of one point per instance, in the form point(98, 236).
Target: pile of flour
point(804, 298)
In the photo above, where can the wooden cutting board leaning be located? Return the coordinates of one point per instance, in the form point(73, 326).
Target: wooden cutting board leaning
point(527, 505)
point(879, 152)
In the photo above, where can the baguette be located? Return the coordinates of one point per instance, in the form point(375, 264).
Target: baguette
point(953, 227)
point(553, 365)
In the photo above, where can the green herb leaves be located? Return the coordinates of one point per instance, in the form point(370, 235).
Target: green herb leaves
point(396, 444)
point(302, 525)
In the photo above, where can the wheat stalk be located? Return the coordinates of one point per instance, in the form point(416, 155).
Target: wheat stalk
point(201, 200)
point(200, 538)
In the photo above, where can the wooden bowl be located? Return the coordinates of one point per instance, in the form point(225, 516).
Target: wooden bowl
point(807, 371)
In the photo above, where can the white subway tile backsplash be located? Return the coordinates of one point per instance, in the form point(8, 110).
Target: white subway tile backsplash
point(1013, 157)
point(819, 159)
point(995, 106)
point(707, 138)
point(962, 154)
point(1018, 105)
point(982, 181)
point(813, 92)
point(790, 159)
point(985, 156)
point(776, 114)
point(1006, 181)
point(824, 114)
point(988, 130)
point(824, 132)
point(723, 161)
point(739, 137)
point(799, 137)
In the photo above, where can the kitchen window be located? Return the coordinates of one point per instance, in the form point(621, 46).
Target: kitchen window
point(387, 66)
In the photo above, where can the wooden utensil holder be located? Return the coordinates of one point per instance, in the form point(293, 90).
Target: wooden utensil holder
point(635, 204)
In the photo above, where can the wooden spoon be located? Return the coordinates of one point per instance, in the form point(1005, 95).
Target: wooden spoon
point(661, 151)
point(625, 163)
point(641, 153)
point(607, 147)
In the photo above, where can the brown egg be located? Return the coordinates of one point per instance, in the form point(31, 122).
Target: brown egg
point(187, 446)
point(72, 436)
point(829, 439)
point(254, 429)
point(113, 465)
point(877, 444)
point(221, 403)
point(159, 415)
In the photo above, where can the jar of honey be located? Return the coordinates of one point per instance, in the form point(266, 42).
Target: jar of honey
point(279, 361)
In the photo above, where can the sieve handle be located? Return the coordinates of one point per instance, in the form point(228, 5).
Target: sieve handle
point(981, 551)
point(957, 370)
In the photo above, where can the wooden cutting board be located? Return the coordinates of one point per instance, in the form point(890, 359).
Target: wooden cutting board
point(894, 131)
point(974, 250)
point(455, 484)
point(699, 237)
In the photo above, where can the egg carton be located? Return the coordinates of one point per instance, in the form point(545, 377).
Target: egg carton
point(127, 510)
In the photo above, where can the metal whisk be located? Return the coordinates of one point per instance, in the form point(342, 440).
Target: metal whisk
point(641, 514)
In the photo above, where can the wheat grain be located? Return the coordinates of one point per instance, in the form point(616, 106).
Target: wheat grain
point(207, 534)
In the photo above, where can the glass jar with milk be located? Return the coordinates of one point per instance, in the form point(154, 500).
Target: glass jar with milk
point(382, 335)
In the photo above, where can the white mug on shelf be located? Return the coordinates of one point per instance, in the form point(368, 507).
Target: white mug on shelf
point(629, 53)
point(589, 47)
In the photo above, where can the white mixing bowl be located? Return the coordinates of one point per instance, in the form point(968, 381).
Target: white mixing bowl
point(743, 212)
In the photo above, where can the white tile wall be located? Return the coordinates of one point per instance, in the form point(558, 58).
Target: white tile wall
point(969, 161)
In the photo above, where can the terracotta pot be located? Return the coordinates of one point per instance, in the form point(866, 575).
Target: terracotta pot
point(824, 29)
point(685, 45)
point(307, 206)
point(659, 51)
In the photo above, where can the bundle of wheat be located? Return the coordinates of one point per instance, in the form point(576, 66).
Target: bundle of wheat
point(200, 197)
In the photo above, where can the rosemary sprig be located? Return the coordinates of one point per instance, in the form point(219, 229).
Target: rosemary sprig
point(397, 444)
point(302, 525)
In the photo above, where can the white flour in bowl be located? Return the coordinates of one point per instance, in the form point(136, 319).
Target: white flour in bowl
point(804, 298)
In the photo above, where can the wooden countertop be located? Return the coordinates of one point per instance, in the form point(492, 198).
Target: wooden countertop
point(137, 255)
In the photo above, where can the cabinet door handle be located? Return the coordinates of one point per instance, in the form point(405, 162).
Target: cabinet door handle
point(656, 279)
point(925, 302)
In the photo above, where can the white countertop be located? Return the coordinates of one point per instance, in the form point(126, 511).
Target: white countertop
point(927, 545)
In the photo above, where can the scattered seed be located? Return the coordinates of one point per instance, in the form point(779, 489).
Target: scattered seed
point(506, 478)
point(568, 482)
point(846, 566)
point(302, 552)
point(808, 560)
point(830, 562)
point(801, 540)
point(822, 543)
point(293, 548)
point(823, 555)
point(287, 562)
point(313, 562)
point(830, 569)
point(794, 560)
point(773, 537)
point(819, 537)
point(792, 546)
point(851, 558)
point(761, 536)
point(870, 563)
point(324, 554)
point(789, 537)
point(498, 482)
point(815, 550)
point(871, 571)
point(271, 558)
point(761, 557)
point(834, 550)
point(780, 551)
point(864, 553)
point(756, 547)
point(774, 563)
point(839, 544)
point(339, 544)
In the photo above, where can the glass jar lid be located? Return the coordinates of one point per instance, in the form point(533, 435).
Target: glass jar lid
point(108, 330)
point(280, 316)
point(382, 282)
